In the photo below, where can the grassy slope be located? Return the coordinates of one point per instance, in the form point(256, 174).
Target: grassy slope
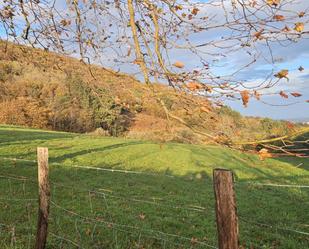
point(122, 198)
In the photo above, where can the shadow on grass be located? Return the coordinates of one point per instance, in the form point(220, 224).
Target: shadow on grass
point(9, 136)
point(298, 162)
point(125, 196)
point(89, 151)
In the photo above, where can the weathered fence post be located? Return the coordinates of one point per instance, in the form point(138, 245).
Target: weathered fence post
point(44, 196)
point(226, 211)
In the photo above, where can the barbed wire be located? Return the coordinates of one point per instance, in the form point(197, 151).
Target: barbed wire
point(285, 229)
point(113, 224)
point(17, 199)
point(92, 191)
point(17, 177)
point(92, 167)
point(154, 174)
point(134, 199)
point(125, 231)
point(65, 239)
point(274, 185)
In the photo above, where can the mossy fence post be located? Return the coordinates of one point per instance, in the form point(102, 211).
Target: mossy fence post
point(44, 198)
point(226, 210)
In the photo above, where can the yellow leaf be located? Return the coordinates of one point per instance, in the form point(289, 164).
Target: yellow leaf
point(273, 2)
point(178, 7)
point(263, 154)
point(279, 17)
point(299, 27)
point(205, 109)
point(282, 74)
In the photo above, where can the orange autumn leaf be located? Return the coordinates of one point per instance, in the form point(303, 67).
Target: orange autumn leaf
point(195, 11)
point(301, 14)
point(273, 2)
point(245, 97)
point(65, 22)
point(296, 94)
point(299, 27)
point(258, 35)
point(263, 154)
point(279, 17)
point(194, 86)
point(290, 125)
point(283, 95)
point(286, 29)
point(282, 74)
point(178, 64)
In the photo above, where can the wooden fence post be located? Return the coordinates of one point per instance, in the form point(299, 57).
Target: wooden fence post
point(226, 211)
point(44, 196)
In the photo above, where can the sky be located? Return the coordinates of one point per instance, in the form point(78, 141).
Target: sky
point(279, 108)
point(289, 57)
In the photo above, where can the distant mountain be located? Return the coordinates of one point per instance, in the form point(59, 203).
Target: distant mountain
point(301, 120)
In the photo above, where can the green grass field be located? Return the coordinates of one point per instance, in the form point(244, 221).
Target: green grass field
point(168, 204)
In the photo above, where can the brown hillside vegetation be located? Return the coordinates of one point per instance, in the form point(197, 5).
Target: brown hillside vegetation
point(46, 90)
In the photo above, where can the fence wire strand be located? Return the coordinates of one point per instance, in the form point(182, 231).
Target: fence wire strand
point(122, 227)
point(285, 229)
point(127, 226)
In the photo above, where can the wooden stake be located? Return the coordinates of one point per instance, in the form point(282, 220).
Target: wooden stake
point(44, 196)
point(226, 211)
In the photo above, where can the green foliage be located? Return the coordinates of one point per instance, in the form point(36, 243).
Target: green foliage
point(225, 110)
point(96, 108)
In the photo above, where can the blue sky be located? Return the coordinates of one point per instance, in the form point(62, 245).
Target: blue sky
point(289, 57)
point(293, 108)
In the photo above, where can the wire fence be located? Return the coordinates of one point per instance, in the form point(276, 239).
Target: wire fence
point(100, 214)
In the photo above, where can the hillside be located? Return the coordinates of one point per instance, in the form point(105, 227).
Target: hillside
point(160, 197)
point(45, 90)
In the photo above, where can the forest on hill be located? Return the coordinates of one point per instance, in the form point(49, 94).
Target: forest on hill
point(45, 90)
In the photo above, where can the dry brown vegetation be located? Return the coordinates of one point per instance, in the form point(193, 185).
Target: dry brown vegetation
point(46, 90)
